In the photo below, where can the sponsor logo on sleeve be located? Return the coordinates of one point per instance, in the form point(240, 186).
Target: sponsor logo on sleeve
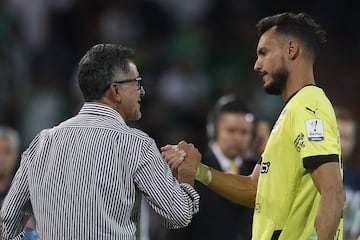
point(265, 167)
point(314, 130)
point(311, 110)
point(299, 142)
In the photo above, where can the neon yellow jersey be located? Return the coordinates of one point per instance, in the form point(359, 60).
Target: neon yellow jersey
point(304, 136)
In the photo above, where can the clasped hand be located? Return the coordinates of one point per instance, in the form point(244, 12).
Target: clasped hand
point(183, 159)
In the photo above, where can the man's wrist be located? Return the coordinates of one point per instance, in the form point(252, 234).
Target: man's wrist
point(203, 174)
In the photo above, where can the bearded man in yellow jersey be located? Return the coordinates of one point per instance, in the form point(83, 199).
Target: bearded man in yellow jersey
point(296, 189)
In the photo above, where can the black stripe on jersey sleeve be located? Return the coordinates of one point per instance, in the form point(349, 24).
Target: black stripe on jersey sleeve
point(311, 163)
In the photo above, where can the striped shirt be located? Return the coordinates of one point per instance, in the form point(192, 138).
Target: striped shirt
point(84, 179)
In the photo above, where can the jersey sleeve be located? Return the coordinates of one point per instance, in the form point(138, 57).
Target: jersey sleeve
point(315, 135)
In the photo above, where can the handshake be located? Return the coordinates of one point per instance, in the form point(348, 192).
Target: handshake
point(184, 161)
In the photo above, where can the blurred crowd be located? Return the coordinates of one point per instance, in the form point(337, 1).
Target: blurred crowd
point(189, 53)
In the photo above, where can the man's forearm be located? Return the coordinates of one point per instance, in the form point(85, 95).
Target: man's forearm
point(236, 188)
point(329, 214)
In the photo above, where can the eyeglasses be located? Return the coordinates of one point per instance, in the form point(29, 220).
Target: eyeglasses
point(137, 80)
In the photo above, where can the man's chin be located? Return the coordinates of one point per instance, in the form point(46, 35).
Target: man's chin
point(233, 154)
point(138, 116)
point(135, 117)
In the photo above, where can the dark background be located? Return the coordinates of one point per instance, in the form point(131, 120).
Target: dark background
point(189, 52)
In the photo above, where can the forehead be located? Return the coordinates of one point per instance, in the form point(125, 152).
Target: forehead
point(268, 39)
point(133, 68)
point(5, 142)
point(236, 118)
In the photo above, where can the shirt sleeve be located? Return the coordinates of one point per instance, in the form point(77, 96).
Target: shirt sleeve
point(16, 209)
point(315, 135)
point(175, 202)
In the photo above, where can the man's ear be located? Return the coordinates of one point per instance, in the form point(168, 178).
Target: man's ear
point(293, 50)
point(114, 93)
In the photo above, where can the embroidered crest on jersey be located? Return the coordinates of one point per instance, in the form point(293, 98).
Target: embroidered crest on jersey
point(314, 130)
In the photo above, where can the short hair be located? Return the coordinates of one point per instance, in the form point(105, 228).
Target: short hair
point(12, 135)
point(300, 26)
point(226, 104)
point(98, 67)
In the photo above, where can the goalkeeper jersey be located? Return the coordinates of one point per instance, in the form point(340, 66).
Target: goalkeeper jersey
point(304, 136)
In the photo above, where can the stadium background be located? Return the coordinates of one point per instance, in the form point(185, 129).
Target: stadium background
point(189, 53)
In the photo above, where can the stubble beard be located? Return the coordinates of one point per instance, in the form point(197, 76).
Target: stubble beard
point(279, 80)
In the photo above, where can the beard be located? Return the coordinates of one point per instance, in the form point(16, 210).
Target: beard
point(278, 84)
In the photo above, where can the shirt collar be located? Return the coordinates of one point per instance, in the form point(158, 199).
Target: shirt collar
point(101, 109)
point(223, 160)
point(292, 95)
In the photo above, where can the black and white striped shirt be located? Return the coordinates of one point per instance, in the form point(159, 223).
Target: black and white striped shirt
point(84, 179)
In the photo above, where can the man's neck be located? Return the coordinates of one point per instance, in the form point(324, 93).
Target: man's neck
point(300, 77)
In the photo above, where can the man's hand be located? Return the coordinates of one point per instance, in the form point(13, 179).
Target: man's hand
point(183, 160)
point(173, 156)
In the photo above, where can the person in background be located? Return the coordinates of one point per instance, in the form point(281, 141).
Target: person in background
point(85, 178)
point(231, 149)
point(296, 189)
point(348, 129)
point(9, 162)
point(9, 158)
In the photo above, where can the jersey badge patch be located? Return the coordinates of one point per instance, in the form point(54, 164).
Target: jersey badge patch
point(314, 130)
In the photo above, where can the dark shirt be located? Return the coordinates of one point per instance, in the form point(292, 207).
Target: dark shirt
point(352, 178)
point(218, 217)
